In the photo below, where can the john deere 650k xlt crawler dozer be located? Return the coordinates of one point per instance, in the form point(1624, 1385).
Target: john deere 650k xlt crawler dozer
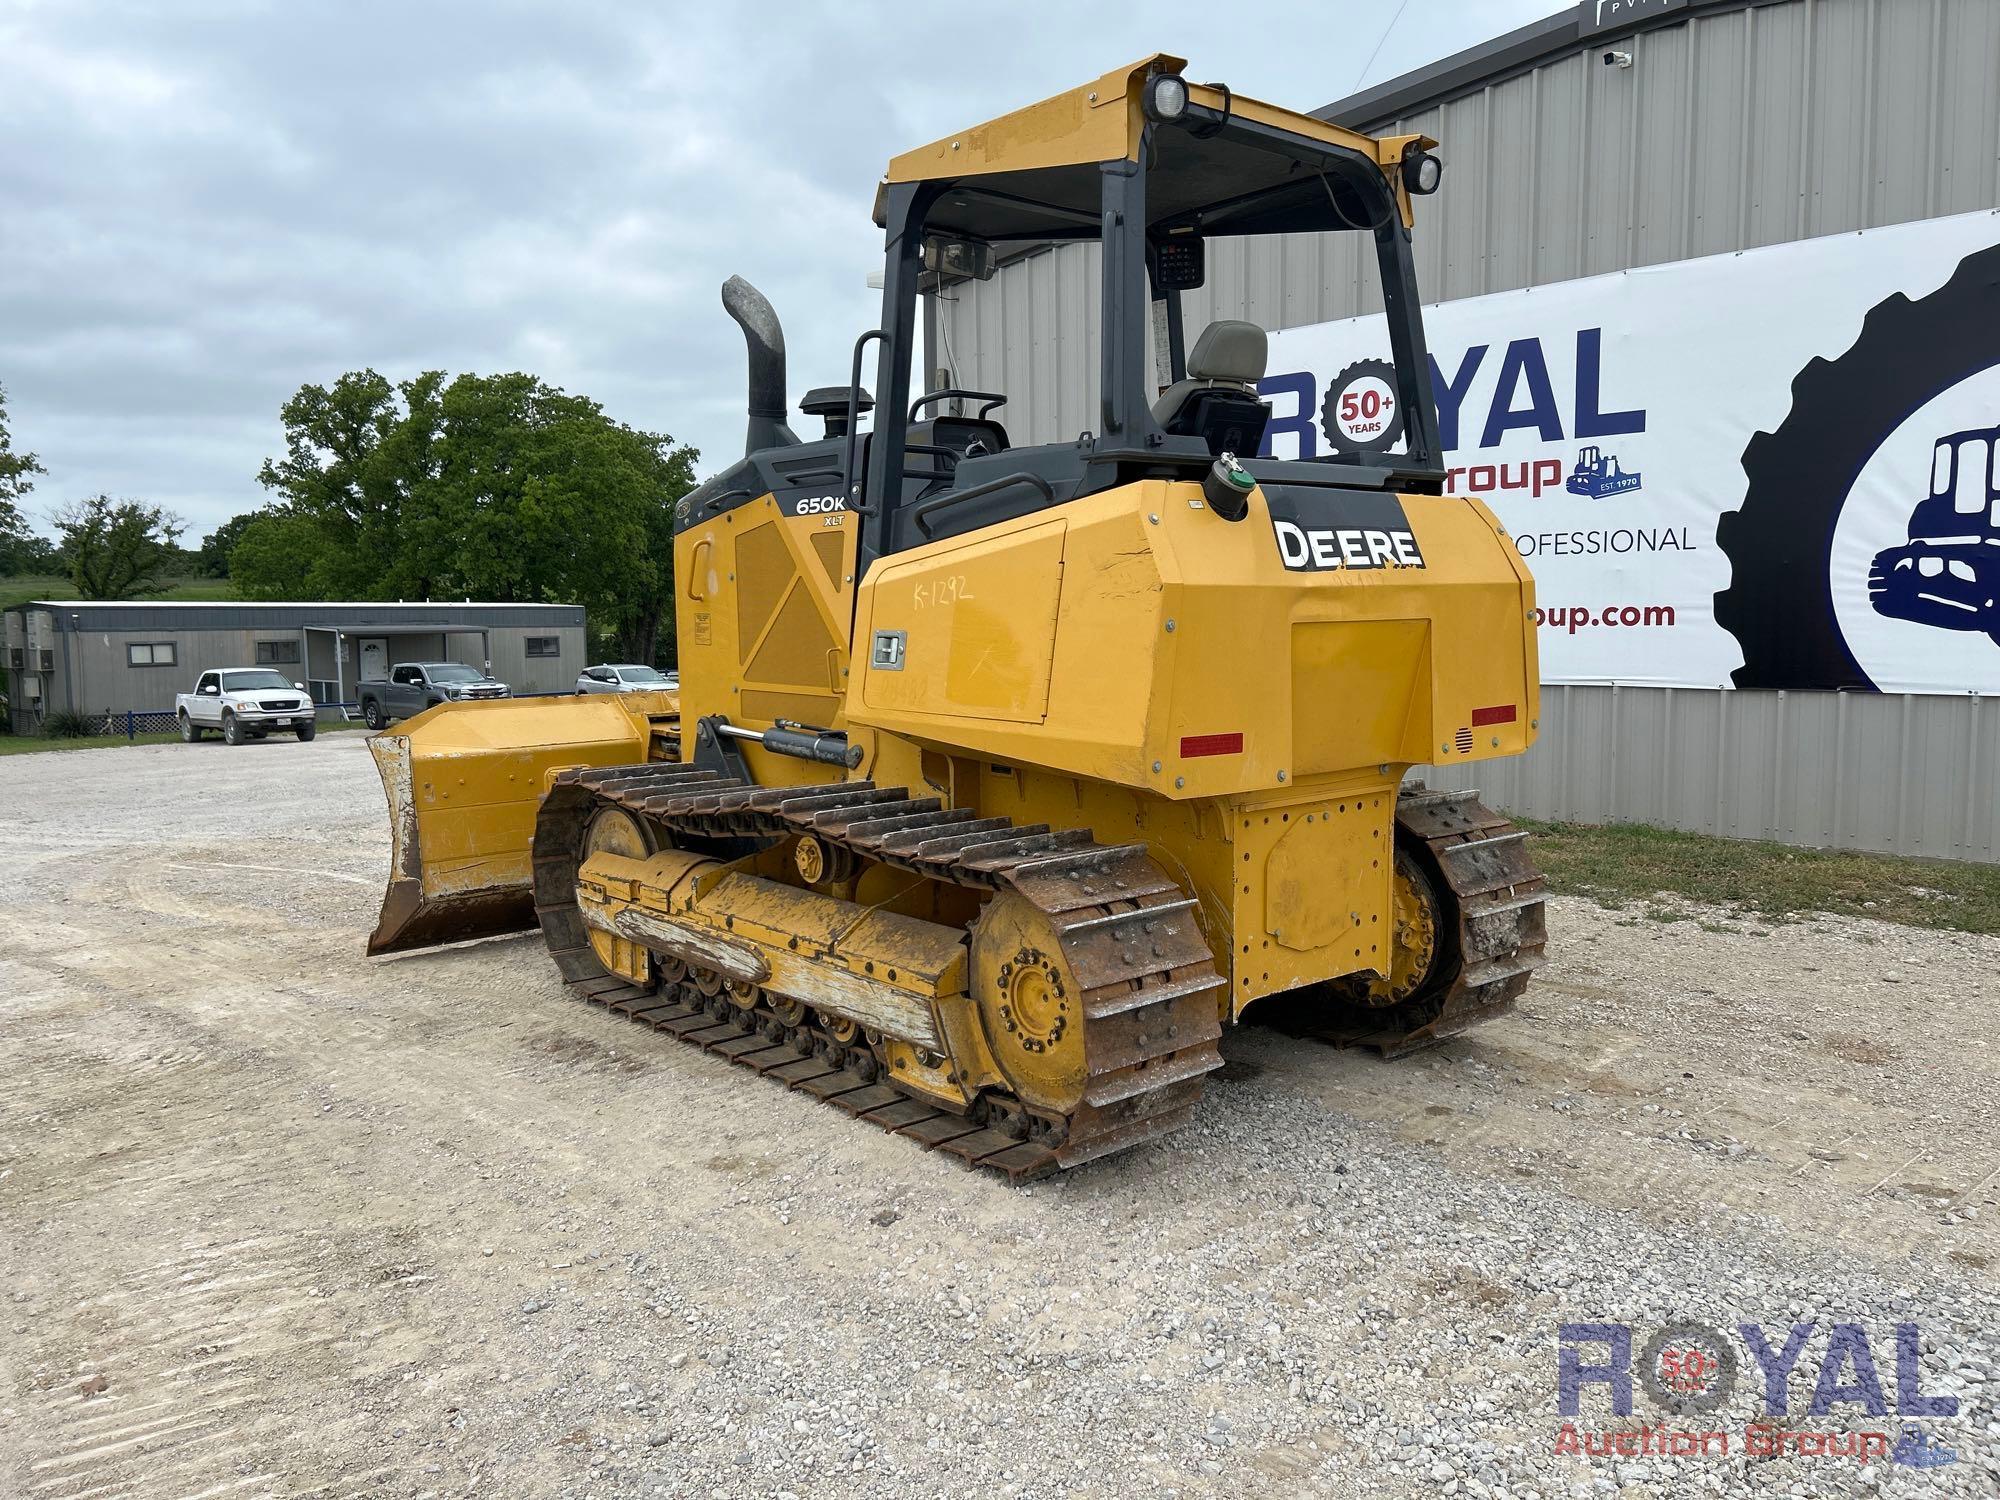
point(1002, 776)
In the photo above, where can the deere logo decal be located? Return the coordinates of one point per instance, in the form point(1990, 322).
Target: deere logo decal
point(1321, 531)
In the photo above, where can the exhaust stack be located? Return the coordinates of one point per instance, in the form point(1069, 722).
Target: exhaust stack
point(765, 342)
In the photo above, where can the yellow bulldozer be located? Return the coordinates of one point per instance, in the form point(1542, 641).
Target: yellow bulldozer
point(1002, 777)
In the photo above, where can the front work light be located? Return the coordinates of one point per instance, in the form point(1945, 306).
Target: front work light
point(1422, 170)
point(1166, 97)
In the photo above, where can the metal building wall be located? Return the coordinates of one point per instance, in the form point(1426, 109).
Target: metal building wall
point(1898, 773)
point(525, 673)
point(1741, 125)
point(1737, 126)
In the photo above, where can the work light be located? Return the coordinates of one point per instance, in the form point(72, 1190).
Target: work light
point(1166, 97)
point(1422, 170)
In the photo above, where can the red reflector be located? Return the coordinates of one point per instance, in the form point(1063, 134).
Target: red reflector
point(1500, 713)
point(1210, 744)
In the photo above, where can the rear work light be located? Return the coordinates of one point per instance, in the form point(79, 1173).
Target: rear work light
point(1422, 170)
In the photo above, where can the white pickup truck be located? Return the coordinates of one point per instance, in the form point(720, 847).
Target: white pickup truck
point(244, 703)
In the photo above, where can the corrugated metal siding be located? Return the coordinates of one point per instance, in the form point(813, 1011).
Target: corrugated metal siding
point(1894, 773)
point(1740, 127)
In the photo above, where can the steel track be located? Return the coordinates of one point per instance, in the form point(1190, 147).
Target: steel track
point(1147, 977)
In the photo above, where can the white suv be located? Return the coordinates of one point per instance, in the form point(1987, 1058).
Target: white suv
point(245, 703)
point(626, 678)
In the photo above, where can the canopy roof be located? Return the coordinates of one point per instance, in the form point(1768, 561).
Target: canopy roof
point(1034, 174)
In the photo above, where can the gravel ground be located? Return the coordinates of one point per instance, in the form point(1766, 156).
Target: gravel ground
point(276, 1219)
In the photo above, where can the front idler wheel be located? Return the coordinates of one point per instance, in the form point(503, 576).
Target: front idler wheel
point(612, 830)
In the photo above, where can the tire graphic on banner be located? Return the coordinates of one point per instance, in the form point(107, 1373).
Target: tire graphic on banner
point(1361, 413)
point(1780, 604)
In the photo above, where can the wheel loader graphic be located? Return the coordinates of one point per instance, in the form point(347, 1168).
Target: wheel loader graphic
point(1948, 574)
point(1597, 474)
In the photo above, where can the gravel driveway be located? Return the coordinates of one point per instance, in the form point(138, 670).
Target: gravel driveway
point(275, 1219)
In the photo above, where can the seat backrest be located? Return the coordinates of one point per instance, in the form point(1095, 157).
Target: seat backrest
point(1230, 350)
point(1218, 400)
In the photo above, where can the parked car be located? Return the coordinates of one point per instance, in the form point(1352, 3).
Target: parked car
point(414, 686)
point(626, 678)
point(245, 703)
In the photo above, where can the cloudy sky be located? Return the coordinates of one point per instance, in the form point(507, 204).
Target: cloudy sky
point(205, 204)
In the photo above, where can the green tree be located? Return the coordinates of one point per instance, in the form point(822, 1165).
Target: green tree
point(117, 549)
point(344, 470)
point(275, 557)
point(494, 487)
point(20, 549)
point(213, 556)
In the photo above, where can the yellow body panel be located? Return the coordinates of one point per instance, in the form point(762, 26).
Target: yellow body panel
point(994, 602)
point(763, 603)
point(1173, 624)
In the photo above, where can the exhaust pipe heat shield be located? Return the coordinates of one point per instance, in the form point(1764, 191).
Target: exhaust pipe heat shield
point(464, 781)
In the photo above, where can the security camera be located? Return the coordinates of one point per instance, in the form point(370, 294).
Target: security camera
point(1617, 59)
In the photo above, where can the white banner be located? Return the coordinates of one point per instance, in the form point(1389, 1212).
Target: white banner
point(1775, 468)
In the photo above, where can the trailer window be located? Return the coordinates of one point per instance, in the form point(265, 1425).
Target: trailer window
point(276, 653)
point(544, 645)
point(149, 653)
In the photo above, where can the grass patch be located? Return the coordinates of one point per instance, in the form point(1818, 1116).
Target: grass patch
point(1627, 862)
point(21, 588)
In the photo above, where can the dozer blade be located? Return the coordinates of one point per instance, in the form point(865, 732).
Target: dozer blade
point(464, 781)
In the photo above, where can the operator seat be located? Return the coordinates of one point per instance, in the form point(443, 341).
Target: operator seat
point(1218, 400)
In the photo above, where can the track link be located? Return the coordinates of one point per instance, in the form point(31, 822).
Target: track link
point(1148, 977)
point(1502, 929)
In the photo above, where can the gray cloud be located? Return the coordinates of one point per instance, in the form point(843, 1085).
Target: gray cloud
point(207, 204)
